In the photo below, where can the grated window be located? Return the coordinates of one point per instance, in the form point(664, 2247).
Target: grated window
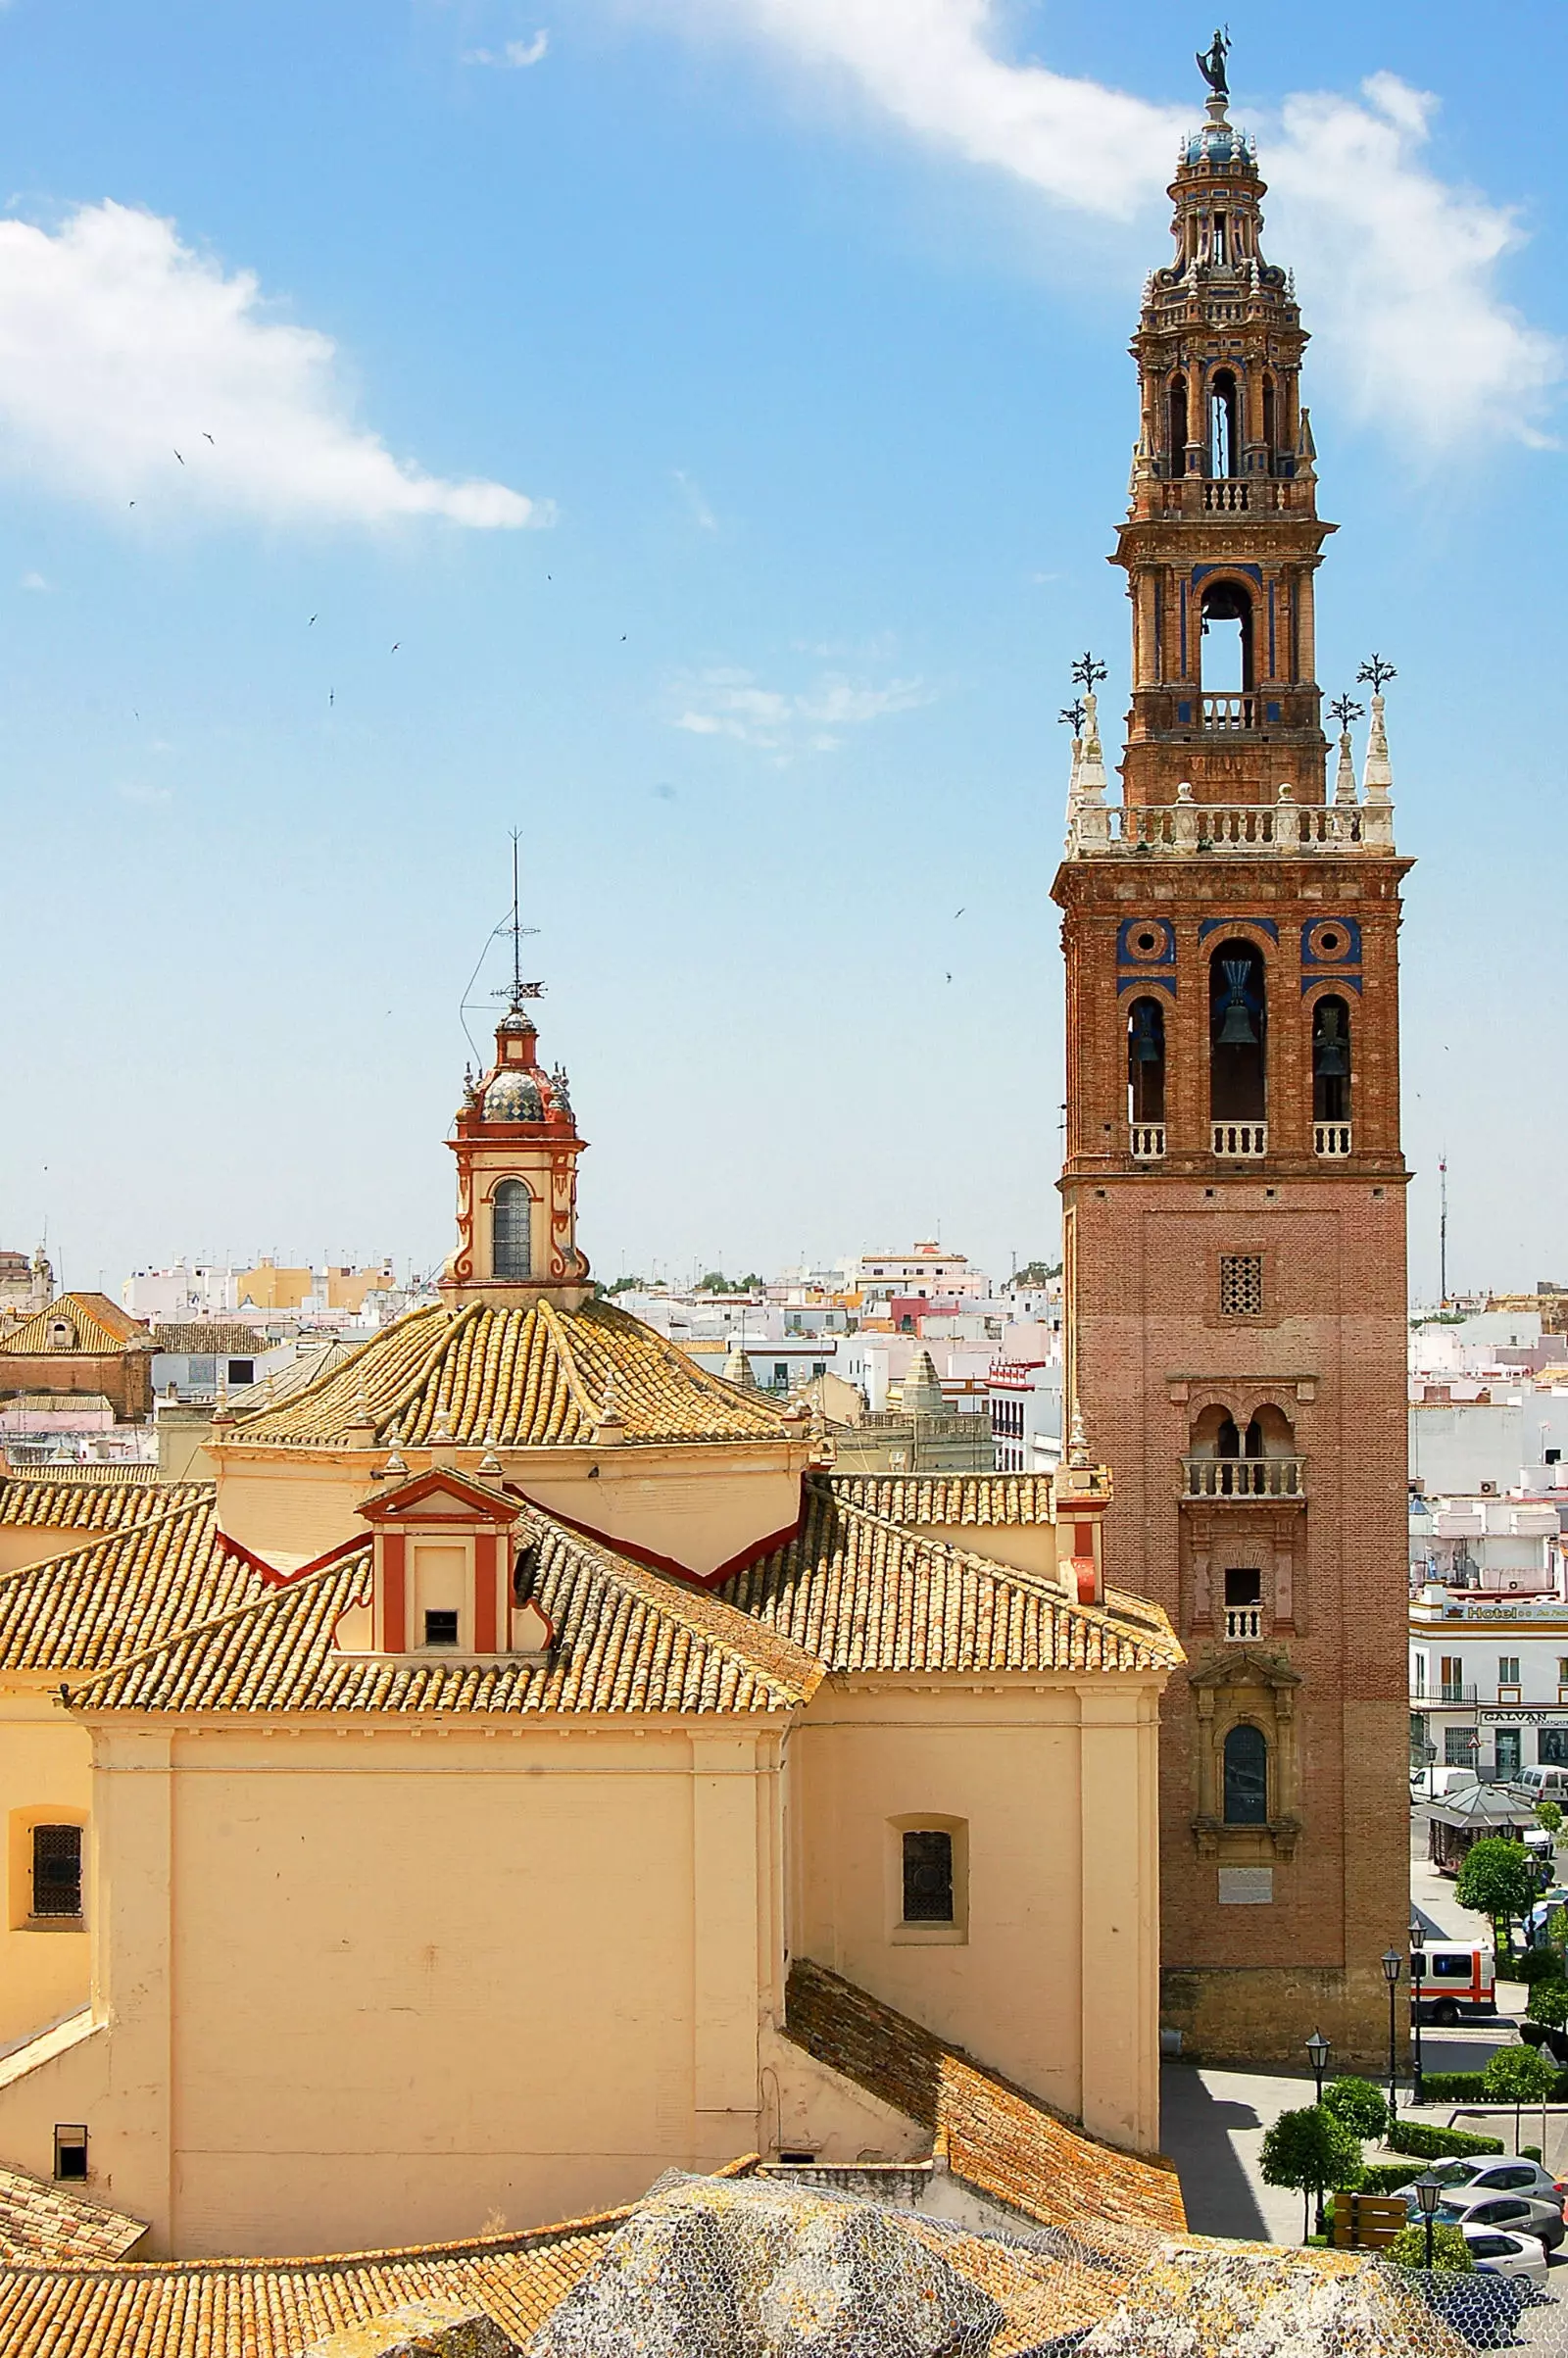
point(56, 1871)
point(928, 1878)
point(441, 1628)
point(1240, 1284)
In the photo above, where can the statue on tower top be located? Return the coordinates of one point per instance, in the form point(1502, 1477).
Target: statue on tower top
point(1212, 65)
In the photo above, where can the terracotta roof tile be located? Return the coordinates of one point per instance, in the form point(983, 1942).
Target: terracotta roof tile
point(525, 1378)
point(100, 1325)
point(627, 1641)
point(125, 1587)
point(864, 1594)
point(53, 1504)
point(994, 2135)
point(208, 1337)
point(42, 2223)
point(978, 1498)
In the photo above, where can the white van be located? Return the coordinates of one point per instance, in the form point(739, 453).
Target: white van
point(1458, 1983)
point(1433, 1784)
point(1547, 1783)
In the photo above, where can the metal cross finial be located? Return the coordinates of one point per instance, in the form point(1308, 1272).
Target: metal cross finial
point(1344, 709)
point(1089, 671)
point(1075, 714)
point(518, 990)
point(1377, 671)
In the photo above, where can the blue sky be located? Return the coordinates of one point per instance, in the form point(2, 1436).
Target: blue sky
point(723, 411)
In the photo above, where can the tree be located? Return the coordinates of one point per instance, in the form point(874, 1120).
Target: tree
point(1362, 2107)
point(1311, 2151)
point(1036, 1274)
point(1449, 2249)
point(1549, 1813)
point(1548, 2004)
point(1497, 1879)
point(1519, 2075)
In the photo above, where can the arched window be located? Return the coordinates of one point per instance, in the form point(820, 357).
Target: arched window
point(1268, 419)
point(1225, 639)
point(1238, 1033)
point(1177, 424)
point(1145, 1061)
point(510, 1246)
point(1224, 425)
point(1331, 1061)
point(1246, 1775)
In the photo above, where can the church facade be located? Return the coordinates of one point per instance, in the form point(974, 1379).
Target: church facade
point(1234, 1186)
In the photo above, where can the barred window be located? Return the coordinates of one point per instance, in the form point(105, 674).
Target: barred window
point(1240, 1284)
point(56, 1871)
point(928, 1878)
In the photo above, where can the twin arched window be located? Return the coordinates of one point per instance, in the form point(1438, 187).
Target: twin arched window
point(511, 1224)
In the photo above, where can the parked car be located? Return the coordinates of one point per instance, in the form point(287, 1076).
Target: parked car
point(1497, 2251)
point(1458, 1983)
point(1432, 1783)
point(1500, 2173)
point(1519, 2214)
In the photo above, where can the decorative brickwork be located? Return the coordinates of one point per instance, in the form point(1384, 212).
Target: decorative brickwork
point(1234, 1188)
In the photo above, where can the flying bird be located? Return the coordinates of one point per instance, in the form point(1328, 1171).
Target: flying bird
point(396, 644)
point(957, 912)
point(949, 978)
point(331, 696)
point(207, 437)
point(308, 624)
point(181, 461)
point(623, 638)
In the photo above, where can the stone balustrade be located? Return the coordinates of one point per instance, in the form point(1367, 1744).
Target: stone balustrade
point(1244, 1478)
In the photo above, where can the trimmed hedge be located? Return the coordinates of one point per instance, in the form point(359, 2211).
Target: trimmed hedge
point(1440, 2144)
point(1469, 2088)
point(1386, 2178)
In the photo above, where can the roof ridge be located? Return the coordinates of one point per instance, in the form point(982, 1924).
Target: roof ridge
point(678, 1358)
point(271, 1598)
point(560, 1343)
point(107, 1536)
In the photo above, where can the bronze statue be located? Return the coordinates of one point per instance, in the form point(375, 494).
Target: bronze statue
point(1213, 66)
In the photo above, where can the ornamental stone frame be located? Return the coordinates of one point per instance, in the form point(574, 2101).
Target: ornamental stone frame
point(1244, 1685)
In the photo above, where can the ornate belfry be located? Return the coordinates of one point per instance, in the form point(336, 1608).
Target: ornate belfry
point(1234, 1186)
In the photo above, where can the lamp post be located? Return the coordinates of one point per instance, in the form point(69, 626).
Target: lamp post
point(1390, 1974)
point(1317, 2052)
point(1428, 2194)
point(1418, 1968)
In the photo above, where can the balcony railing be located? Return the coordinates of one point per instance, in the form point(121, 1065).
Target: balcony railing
point(1449, 1693)
point(1240, 1142)
point(1248, 828)
point(1244, 1477)
point(1148, 1141)
point(1331, 1138)
point(1230, 496)
point(1228, 712)
point(1242, 1621)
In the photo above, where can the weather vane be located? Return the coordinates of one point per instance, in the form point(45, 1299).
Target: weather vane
point(1075, 714)
point(1377, 671)
point(1344, 709)
point(517, 990)
point(1089, 671)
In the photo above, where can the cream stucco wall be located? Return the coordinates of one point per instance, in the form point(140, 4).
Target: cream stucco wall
point(1051, 1976)
point(420, 1978)
point(45, 1774)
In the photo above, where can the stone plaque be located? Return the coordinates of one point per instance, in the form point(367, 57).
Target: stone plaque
point(1246, 1887)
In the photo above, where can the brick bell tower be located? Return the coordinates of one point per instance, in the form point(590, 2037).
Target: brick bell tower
point(1234, 1188)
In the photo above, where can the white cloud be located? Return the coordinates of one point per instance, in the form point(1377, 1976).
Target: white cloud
point(731, 703)
point(134, 369)
point(511, 54)
point(1397, 268)
point(33, 581)
point(703, 516)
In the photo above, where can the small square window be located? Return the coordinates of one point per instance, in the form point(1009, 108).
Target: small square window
point(1240, 1284)
point(441, 1629)
point(1243, 1588)
point(71, 2150)
point(56, 1871)
point(928, 1878)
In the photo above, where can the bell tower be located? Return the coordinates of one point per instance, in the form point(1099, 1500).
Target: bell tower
point(1234, 1186)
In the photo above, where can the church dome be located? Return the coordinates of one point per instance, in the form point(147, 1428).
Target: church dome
point(515, 1097)
point(1219, 143)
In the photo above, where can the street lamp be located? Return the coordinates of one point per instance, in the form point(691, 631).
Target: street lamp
point(1318, 2051)
point(1391, 1973)
point(1428, 2194)
point(1418, 1969)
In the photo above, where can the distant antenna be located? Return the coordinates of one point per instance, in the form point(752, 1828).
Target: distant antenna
point(1443, 1231)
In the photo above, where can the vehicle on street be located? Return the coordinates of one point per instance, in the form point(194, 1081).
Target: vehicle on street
point(1433, 1783)
point(1518, 2214)
point(1497, 2251)
point(1458, 1983)
point(1544, 1783)
point(1492, 2174)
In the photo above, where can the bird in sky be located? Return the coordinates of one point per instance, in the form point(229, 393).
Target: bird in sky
point(623, 638)
point(957, 912)
point(331, 696)
point(396, 644)
point(949, 978)
point(207, 437)
point(308, 624)
point(133, 503)
point(181, 461)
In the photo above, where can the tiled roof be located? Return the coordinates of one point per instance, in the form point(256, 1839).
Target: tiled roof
point(627, 1641)
point(282, 1384)
point(523, 1378)
point(284, 2308)
point(978, 1498)
point(100, 1324)
point(1004, 2141)
point(208, 1336)
point(56, 1504)
point(42, 2223)
point(866, 1594)
point(126, 1588)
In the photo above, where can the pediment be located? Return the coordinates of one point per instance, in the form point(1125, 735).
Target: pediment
point(1244, 1666)
point(441, 1496)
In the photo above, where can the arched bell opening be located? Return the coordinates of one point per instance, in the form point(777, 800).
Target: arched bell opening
point(1145, 1061)
point(1331, 1059)
point(1176, 426)
point(1224, 424)
point(1238, 1032)
point(1225, 639)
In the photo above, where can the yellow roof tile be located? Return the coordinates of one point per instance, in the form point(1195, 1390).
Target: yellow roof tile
point(524, 1378)
point(39, 2223)
point(49, 1502)
point(123, 1589)
point(978, 1498)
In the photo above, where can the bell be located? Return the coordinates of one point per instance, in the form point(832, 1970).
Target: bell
point(1236, 1029)
point(1329, 1062)
point(1147, 1049)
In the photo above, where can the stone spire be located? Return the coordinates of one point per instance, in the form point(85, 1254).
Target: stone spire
point(1379, 775)
point(921, 1395)
point(1344, 775)
point(737, 1368)
point(1089, 820)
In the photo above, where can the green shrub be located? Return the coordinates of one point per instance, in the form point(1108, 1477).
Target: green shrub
point(1548, 2003)
point(1359, 2104)
point(1532, 1965)
point(1386, 2178)
point(1530, 2154)
point(1449, 2249)
point(1452, 2088)
point(1439, 2144)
